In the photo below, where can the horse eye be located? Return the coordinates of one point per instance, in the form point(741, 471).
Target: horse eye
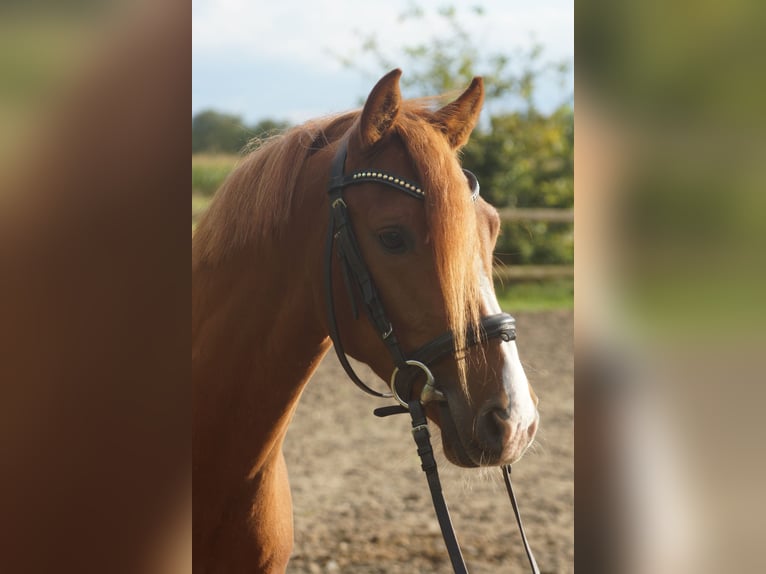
point(392, 240)
point(473, 184)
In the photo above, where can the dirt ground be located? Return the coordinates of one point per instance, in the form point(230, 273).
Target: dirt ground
point(361, 502)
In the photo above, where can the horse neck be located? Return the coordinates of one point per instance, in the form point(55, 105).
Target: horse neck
point(257, 336)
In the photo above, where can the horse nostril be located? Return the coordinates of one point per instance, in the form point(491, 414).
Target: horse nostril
point(494, 428)
point(532, 429)
point(500, 413)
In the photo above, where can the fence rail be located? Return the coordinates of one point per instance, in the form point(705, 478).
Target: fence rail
point(554, 214)
point(535, 272)
point(516, 272)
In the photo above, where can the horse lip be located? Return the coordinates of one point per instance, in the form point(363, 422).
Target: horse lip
point(467, 453)
point(454, 442)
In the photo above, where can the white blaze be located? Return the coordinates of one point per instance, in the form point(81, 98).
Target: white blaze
point(523, 410)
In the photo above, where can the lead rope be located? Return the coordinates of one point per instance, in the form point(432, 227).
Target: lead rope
point(422, 438)
point(428, 463)
point(531, 557)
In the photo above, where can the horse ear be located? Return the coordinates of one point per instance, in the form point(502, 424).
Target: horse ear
point(380, 110)
point(457, 119)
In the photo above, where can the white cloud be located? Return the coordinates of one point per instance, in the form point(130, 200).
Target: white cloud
point(302, 31)
point(239, 48)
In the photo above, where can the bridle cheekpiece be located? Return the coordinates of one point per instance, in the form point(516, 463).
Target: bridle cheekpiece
point(408, 367)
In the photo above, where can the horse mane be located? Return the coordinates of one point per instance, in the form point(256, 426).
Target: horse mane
point(255, 199)
point(254, 202)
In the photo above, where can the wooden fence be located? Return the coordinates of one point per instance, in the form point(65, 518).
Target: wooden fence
point(535, 272)
point(516, 272)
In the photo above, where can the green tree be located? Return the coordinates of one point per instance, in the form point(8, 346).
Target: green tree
point(526, 159)
point(523, 158)
point(218, 132)
point(447, 63)
point(267, 127)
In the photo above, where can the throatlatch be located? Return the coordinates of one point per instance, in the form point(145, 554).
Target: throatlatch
point(407, 368)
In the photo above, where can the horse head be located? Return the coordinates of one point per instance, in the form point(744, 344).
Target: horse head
point(427, 245)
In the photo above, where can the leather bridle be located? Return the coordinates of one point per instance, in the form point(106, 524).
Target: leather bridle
point(408, 367)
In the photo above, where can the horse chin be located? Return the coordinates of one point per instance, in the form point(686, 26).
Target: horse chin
point(454, 448)
point(463, 451)
point(457, 456)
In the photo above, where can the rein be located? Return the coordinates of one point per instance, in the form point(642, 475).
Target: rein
point(407, 368)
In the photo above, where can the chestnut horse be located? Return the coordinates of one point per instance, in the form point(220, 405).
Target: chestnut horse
point(259, 327)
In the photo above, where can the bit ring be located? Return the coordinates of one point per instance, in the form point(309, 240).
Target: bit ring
point(429, 381)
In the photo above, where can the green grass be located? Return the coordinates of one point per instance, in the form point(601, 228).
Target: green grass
point(209, 171)
point(199, 204)
point(536, 295)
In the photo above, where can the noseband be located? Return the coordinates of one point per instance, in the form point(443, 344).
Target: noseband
point(408, 367)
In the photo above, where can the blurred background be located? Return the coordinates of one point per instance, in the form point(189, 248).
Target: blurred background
point(671, 212)
point(43, 46)
point(94, 304)
point(249, 82)
point(670, 227)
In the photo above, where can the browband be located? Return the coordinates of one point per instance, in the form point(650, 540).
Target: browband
point(339, 181)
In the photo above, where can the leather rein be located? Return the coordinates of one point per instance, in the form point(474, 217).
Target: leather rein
point(408, 368)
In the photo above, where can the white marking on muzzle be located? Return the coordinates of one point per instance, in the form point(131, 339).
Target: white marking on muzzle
point(523, 410)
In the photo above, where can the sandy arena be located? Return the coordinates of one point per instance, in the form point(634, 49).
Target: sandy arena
point(361, 502)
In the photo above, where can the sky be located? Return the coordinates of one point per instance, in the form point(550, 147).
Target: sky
point(274, 59)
